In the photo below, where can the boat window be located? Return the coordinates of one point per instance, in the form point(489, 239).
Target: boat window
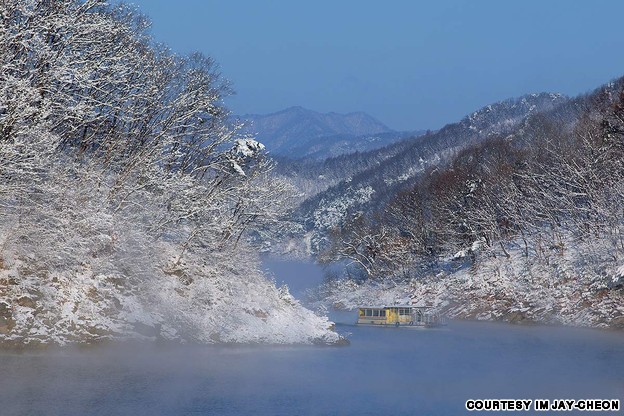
point(373, 313)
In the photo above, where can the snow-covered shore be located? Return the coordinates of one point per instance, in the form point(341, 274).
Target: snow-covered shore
point(565, 291)
point(197, 304)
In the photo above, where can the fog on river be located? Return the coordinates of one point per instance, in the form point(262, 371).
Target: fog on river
point(385, 371)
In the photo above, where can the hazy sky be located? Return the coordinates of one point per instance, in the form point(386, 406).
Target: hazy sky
point(411, 64)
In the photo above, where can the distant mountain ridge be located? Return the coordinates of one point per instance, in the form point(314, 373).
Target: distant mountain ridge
point(300, 132)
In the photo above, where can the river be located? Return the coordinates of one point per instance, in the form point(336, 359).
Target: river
point(385, 371)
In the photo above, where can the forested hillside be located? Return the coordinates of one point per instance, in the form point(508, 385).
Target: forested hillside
point(364, 182)
point(125, 192)
point(525, 224)
point(311, 176)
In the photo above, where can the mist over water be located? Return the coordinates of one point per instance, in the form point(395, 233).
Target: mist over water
point(385, 371)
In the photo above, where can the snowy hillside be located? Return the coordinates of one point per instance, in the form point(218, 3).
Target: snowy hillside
point(388, 171)
point(567, 291)
point(194, 302)
point(524, 226)
point(127, 197)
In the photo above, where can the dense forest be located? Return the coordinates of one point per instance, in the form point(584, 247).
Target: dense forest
point(126, 192)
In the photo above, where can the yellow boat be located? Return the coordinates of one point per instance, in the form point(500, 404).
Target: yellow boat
point(399, 315)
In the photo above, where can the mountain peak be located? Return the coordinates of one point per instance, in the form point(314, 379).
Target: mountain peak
point(298, 129)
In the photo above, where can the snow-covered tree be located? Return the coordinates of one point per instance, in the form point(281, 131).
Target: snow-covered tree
point(125, 191)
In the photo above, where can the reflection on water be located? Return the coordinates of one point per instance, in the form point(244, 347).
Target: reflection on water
point(385, 371)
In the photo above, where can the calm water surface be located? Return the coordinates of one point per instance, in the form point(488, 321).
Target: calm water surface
point(385, 371)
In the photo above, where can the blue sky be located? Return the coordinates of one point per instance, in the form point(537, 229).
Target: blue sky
point(411, 64)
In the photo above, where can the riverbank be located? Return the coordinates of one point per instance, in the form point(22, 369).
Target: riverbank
point(196, 302)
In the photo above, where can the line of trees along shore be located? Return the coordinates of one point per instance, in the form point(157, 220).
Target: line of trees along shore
point(550, 185)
